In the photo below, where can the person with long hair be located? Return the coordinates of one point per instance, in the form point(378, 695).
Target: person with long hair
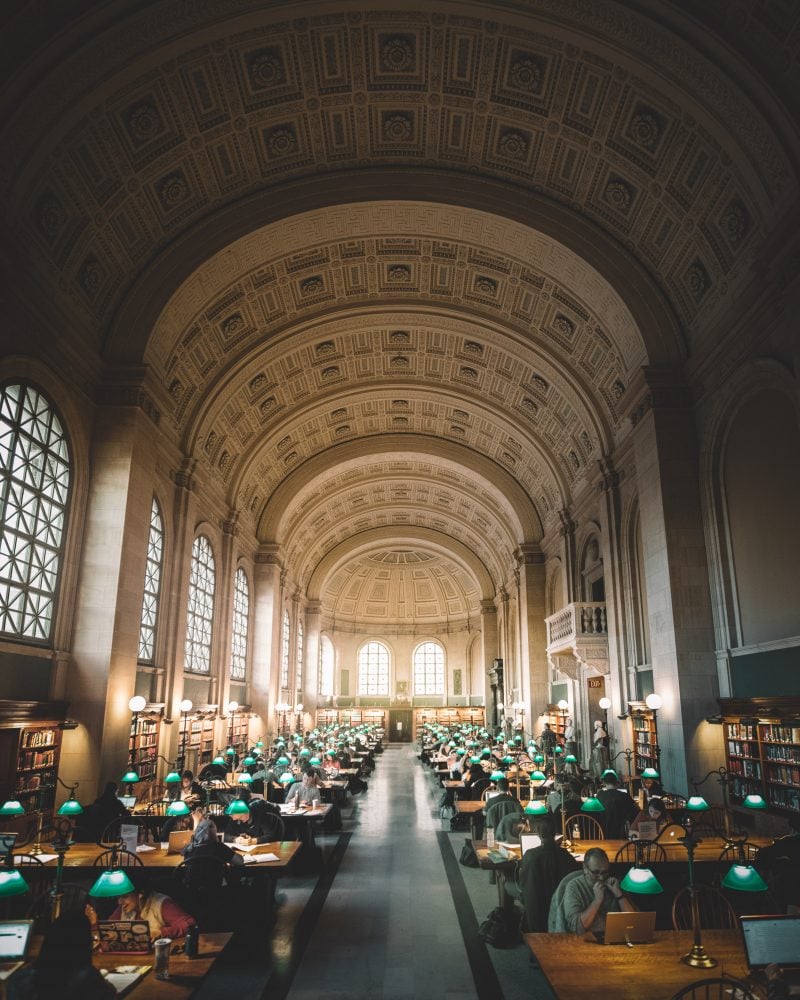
point(63, 967)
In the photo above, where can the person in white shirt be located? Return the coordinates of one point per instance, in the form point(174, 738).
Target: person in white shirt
point(305, 791)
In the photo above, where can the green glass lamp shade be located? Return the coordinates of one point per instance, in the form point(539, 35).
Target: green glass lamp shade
point(11, 882)
point(12, 808)
point(70, 808)
point(178, 808)
point(650, 772)
point(508, 759)
point(641, 880)
point(260, 744)
point(112, 883)
point(485, 754)
point(472, 743)
point(609, 772)
point(249, 761)
point(314, 762)
point(539, 776)
point(744, 878)
point(237, 808)
point(754, 802)
point(244, 778)
point(283, 761)
point(474, 760)
point(230, 752)
point(305, 752)
point(696, 803)
point(534, 808)
point(539, 758)
point(219, 759)
point(497, 775)
point(286, 778)
point(173, 778)
point(130, 778)
point(570, 759)
point(593, 805)
point(518, 739)
point(557, 749)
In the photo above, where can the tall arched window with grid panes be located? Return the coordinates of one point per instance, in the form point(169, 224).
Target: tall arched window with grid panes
point(34, 494)
point(285, 652)
point(241, 626)
point(200, 613)
point(428, 669)
point(373, 670)
point(298, 670)
point(152, 586)
point(326, 661)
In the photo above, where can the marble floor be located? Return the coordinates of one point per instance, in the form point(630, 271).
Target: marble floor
point(392, 915)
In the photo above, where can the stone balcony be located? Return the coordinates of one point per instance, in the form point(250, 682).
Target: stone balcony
point(577, 636)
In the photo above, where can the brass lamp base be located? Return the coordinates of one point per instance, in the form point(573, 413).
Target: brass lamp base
point(698, 958)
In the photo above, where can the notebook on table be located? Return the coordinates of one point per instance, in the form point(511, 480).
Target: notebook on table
point(773, 940)
point(124, 937)
point(630, 928)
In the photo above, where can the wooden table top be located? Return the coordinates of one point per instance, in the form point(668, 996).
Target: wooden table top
point(469, 805)
point(83, 855)
point(709, 848)
point(579, 968)
point(306, 812)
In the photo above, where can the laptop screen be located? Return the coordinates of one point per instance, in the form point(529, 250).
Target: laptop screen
point(14, 937)
point(7, 841)
point(129, 801)
point(121, 937)
point(771, 939)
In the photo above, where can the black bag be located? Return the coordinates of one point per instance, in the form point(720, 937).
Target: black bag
point(468, 856)
point(501, 928)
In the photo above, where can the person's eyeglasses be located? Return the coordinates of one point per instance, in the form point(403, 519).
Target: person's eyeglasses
point(597, 871)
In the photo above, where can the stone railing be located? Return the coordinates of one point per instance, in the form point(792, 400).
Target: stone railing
point(576, 621)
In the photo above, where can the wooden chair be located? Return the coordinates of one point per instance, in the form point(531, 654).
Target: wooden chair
point(672, 801)
point(111, 834)
point(716, 913)
point(741, 853)
point(717, 988)
point(637, 851)
point(588, 827)
point(117, 859)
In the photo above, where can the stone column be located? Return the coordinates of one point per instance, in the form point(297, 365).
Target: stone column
point(311, 666)
point(266, 635)
point(223, 618)
point(676, 574)
point(533, 634)
point(489, 650)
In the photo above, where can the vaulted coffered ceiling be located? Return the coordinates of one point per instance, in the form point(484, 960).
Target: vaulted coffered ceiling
point(392, 271)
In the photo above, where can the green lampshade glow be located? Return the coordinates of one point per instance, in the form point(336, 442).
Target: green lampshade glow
point(696, 804)
point(650, 772)
point(557, 749)
point(538, 776)
point(609, 772)
point(744, 878)
point(12, 808)
point(237, 808)
point(518, 739)
point(230, 752)
point(259, 744)
point(641, 880)
point(497, 775)
point(130, 778)
point(593, 805)
point(314, 762)
point(11, 882)
point(178, 808)
point(173, 778)
point(508, 759)
point(570, 759)
point(219, 759)
point(754, 802)
point(534, 808)
point(249, 761)
point(244, 778)
point(305, 752)
point(283, 761)
point(474, 760)
point(539, 758)
point(286, 778)
point(112, 883)
point(70, 808)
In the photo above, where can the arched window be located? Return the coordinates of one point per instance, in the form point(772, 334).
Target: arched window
point(298, 674)
point(326, 661)
point(152, 585)
point(200, 613)
point(428, 669)
point(34, 491)
point(373, 670)
point(241, 623)
point(285, 653)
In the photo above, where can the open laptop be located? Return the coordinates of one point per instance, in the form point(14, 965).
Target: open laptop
point(774, 940)
point(178, 839)
point(129, 801)
point(15, 935)
point(630, 928)
point(124, 937)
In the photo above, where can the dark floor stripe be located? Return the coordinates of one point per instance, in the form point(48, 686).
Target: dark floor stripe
point(280, 982)
point(487, 984)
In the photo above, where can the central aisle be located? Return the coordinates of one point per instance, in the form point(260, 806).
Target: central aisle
point(388, 927)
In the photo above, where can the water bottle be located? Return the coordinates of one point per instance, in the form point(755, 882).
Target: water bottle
point(162, 948)
point(489, 836)
point(192, 941)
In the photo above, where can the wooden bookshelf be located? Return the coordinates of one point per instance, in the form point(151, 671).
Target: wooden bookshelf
point(143, 746)
point(762, 750)
point(645, 737)
point(474, 715)
point(200, 741)
point(37, 767)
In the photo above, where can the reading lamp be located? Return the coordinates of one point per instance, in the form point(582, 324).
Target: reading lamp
point(11, 882)
point(113, 882)
point(536, 808)
point(178, 808)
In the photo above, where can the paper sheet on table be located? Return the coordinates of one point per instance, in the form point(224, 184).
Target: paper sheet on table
point(44, 858)
point(245, 847)
point(143, 847)
point(123, 980)
point(255, 859)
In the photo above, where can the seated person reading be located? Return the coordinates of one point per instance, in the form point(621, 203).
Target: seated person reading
point(163, 915)
point(305, 791)
point(650, 821)
point(582, 899)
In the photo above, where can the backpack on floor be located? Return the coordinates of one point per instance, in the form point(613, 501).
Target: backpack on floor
point(468, 856)
point(501, 928)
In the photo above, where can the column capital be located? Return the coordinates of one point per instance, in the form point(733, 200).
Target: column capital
point(654, 388)
point(488, 608)
point(610, 478)
point(125, 387)
point(568, 526)
point(314, 608)
point(529, 553)
point(268, 553)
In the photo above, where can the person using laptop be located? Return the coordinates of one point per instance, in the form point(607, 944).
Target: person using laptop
point(542, 868)
point(583, 899)
point(63, 967)
point(163, 915)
